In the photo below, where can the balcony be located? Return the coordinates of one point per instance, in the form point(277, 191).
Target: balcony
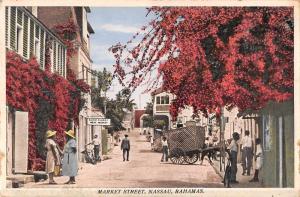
point(162, 108)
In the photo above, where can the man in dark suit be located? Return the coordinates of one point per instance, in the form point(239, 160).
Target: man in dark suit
point(125, 146)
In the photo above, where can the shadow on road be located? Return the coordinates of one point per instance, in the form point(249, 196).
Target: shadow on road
point(176, 184)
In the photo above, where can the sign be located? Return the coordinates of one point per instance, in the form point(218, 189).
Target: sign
point(98, 121)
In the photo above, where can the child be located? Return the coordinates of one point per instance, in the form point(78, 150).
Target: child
point(258, 160)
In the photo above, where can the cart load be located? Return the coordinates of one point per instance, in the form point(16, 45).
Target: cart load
point(185, 144)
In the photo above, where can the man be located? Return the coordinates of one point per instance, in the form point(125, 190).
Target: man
point(246, 153)
point(125, 146)
point(233, 148)
point(258, 160)
point(96, 143)
point(165, 149)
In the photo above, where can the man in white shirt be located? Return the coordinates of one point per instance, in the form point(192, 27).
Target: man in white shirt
point(246, 153)
point(165, 149)
point(96, 143)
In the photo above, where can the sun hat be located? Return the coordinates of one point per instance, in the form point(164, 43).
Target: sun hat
point(70, 133)
point(50, 133)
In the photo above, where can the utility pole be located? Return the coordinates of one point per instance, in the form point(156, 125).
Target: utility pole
point(222, 142)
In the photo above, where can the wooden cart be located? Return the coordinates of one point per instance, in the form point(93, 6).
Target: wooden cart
point(185, 144)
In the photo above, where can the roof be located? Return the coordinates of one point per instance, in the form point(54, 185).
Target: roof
point(157, 91)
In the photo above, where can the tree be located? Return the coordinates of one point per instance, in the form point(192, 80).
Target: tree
point(211, 57)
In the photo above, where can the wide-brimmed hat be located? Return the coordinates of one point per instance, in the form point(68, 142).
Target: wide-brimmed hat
point(50, 133)
point(70, 133)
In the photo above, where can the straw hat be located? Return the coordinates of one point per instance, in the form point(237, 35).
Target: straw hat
point(50, 133)
point(70, 133)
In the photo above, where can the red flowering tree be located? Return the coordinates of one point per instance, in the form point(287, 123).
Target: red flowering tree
point(214, 56)
point(52, 101)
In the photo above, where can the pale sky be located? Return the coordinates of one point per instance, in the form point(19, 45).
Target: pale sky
point(113, 25)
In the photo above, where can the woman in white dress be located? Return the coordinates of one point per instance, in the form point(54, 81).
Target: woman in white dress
point(53, 155)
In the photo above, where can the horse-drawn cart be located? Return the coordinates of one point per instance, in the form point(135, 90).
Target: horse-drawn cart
point(185, 144)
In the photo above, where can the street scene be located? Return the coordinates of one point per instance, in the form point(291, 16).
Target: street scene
point(158, 97)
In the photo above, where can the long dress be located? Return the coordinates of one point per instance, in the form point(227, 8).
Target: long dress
point(50, 160)
point(69, 163)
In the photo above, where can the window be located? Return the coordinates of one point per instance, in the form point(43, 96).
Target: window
point(162, 100)
point(157, 100)
point(19, 40)
point(167, 100)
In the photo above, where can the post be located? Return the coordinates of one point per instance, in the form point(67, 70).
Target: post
point(221, 137)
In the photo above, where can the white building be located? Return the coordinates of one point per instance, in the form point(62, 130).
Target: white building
point(27, 36)
point(161, 107)
point(81, 62)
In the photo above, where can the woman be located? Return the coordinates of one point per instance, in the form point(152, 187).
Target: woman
point(233, 147)
point(53, 157)
point(69, 164)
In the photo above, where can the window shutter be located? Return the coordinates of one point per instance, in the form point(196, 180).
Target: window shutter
point(64, 62)
point(13, 28)
point(54, 57)
point(37, 31)
point(19, 17)
point(31, 37)
point(58, 60)
point(42, 47)
point(25, 37)
point(6, 26)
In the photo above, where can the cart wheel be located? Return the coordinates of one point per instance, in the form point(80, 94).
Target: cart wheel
point(191, 158)
point(177, 156)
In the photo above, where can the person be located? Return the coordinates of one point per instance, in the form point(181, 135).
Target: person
point(69, 164)
point(53, 155)
point(233, 148)
point(125, 146)
point(164, 149)
point(151, 142)
point(258, 160)
point(96, 143)
point(246, 153)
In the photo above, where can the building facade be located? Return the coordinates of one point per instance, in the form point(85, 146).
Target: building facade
point(26, 35)
point(81, 62)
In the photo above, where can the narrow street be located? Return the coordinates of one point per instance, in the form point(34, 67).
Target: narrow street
point(144, 170)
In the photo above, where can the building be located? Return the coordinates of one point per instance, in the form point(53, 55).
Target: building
point(81, 62)
point(138, 115)
point(27, 36)
point(161, 107)
point(277, 125)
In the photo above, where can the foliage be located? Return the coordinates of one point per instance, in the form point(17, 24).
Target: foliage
point(51, 100)
point(211, 57)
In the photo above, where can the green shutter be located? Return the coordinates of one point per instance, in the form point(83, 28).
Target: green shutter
point(37, 31)
point(6, 26)
point(19, 17)
point(54, 57)
point(13, 28)
point(42, 47)
point(25, 37)
point(31, 37)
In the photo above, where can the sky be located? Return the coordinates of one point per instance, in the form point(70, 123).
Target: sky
point(113, 25)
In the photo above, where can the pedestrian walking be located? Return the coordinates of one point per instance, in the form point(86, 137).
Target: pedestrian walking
point(164, 149)
point(247, 153)
point(53, 155)
point(152, 142)
point(233, 148)
point(96, 142)
point(258, 160)
point(125, 146)
point(69, 164)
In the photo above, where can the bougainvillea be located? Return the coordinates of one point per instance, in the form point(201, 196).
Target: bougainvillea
point(211, 57)
point(52, 101)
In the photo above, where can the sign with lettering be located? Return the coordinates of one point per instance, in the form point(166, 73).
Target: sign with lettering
point(98, 121)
